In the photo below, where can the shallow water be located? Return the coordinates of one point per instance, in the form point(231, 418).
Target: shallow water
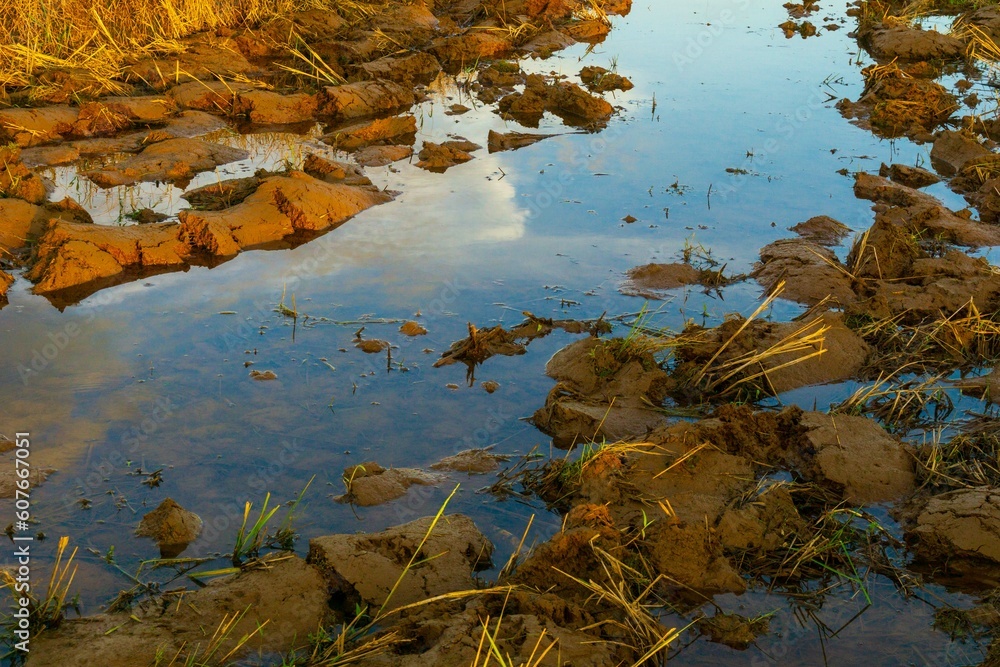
point(151, 374)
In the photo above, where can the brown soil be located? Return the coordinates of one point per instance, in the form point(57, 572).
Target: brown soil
point(603, 390)
point(370, 484)
point(363, 568)
point(952, 151)
point(647, 280)
point(962, 524)
point(837, 354)
point(441, 157)
point(412, 328)
point(173, 160)
point(858, 458)
point(906, 43)
point(372, 345)
point(896, 104)
point(511, 141)
point(472, 461)
point(811, 273)
point(822, 229)
point(378, 132)
point(289, 596)
point(81, 257)
point(601, 80)
point(911, 177)
point(171, 526)
point(380, 156)
point(567, 100)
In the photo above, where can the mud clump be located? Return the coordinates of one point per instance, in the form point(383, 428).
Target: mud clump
point(911, 177)
point(896, 104)
point(369, 484)
point(856, 456)
point(174, 160)
point(651, 280)
point(952, 151)
point(17, 181)
point(288, 596)
point(396, 130)
point(21, 222)
point(364, 98)
point(810, 273)
point(958, 525)
point(471, 461)
point(758, 358)
point(171, 526)
point(511, 141)
point(441, 157)
point(372, 345)
point(567, 100)
point(604, 389)
point(412, 328)
point(822, 229)
point(82, 257)
point(643, 280)
point(905, 43)
point(380, 156)
point(363, 568)
point(733, 630)
point(601, 80)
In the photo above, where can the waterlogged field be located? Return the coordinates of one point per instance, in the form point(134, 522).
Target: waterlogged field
point(674, 488)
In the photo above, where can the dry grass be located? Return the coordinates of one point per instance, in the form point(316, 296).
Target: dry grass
point(968, 460)
point(966, 337)
point(901, 404)
point(97, 40)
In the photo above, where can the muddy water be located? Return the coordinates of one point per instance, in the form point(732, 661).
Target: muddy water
point(154, 375)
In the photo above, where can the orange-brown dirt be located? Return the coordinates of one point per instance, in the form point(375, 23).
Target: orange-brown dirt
point(214, 80)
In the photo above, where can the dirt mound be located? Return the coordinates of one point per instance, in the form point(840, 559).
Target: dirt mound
point(6, 280)
point(472, 461)
point(856, 456)
point(511, 141)
point(33, 127)
point(958, 524)
point(364, 568)
point(173, 160)
point(601, 80)
point(205, 57)
point(764, 358)
point(693, 556)
point(288, 598)
point(574, 105)
point(441, 157)
point(907, 43)
point(953, 150)
point(911, 177)
point(369, 484)
point(171, 526)
point(922, 214)
point(21, 222)
point(412, 69)
point(270, 108)
point(896, 104)
point(822, 229)
point(811, 273)
point(17, 181)
point(364, 98)
point(74, 259)
point(604, 389)
point(378, 132)
point(282, 206)
point(380, 156)
point(647, 280)
point(87, 257)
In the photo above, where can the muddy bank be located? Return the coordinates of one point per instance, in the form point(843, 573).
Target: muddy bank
point(252, 77)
